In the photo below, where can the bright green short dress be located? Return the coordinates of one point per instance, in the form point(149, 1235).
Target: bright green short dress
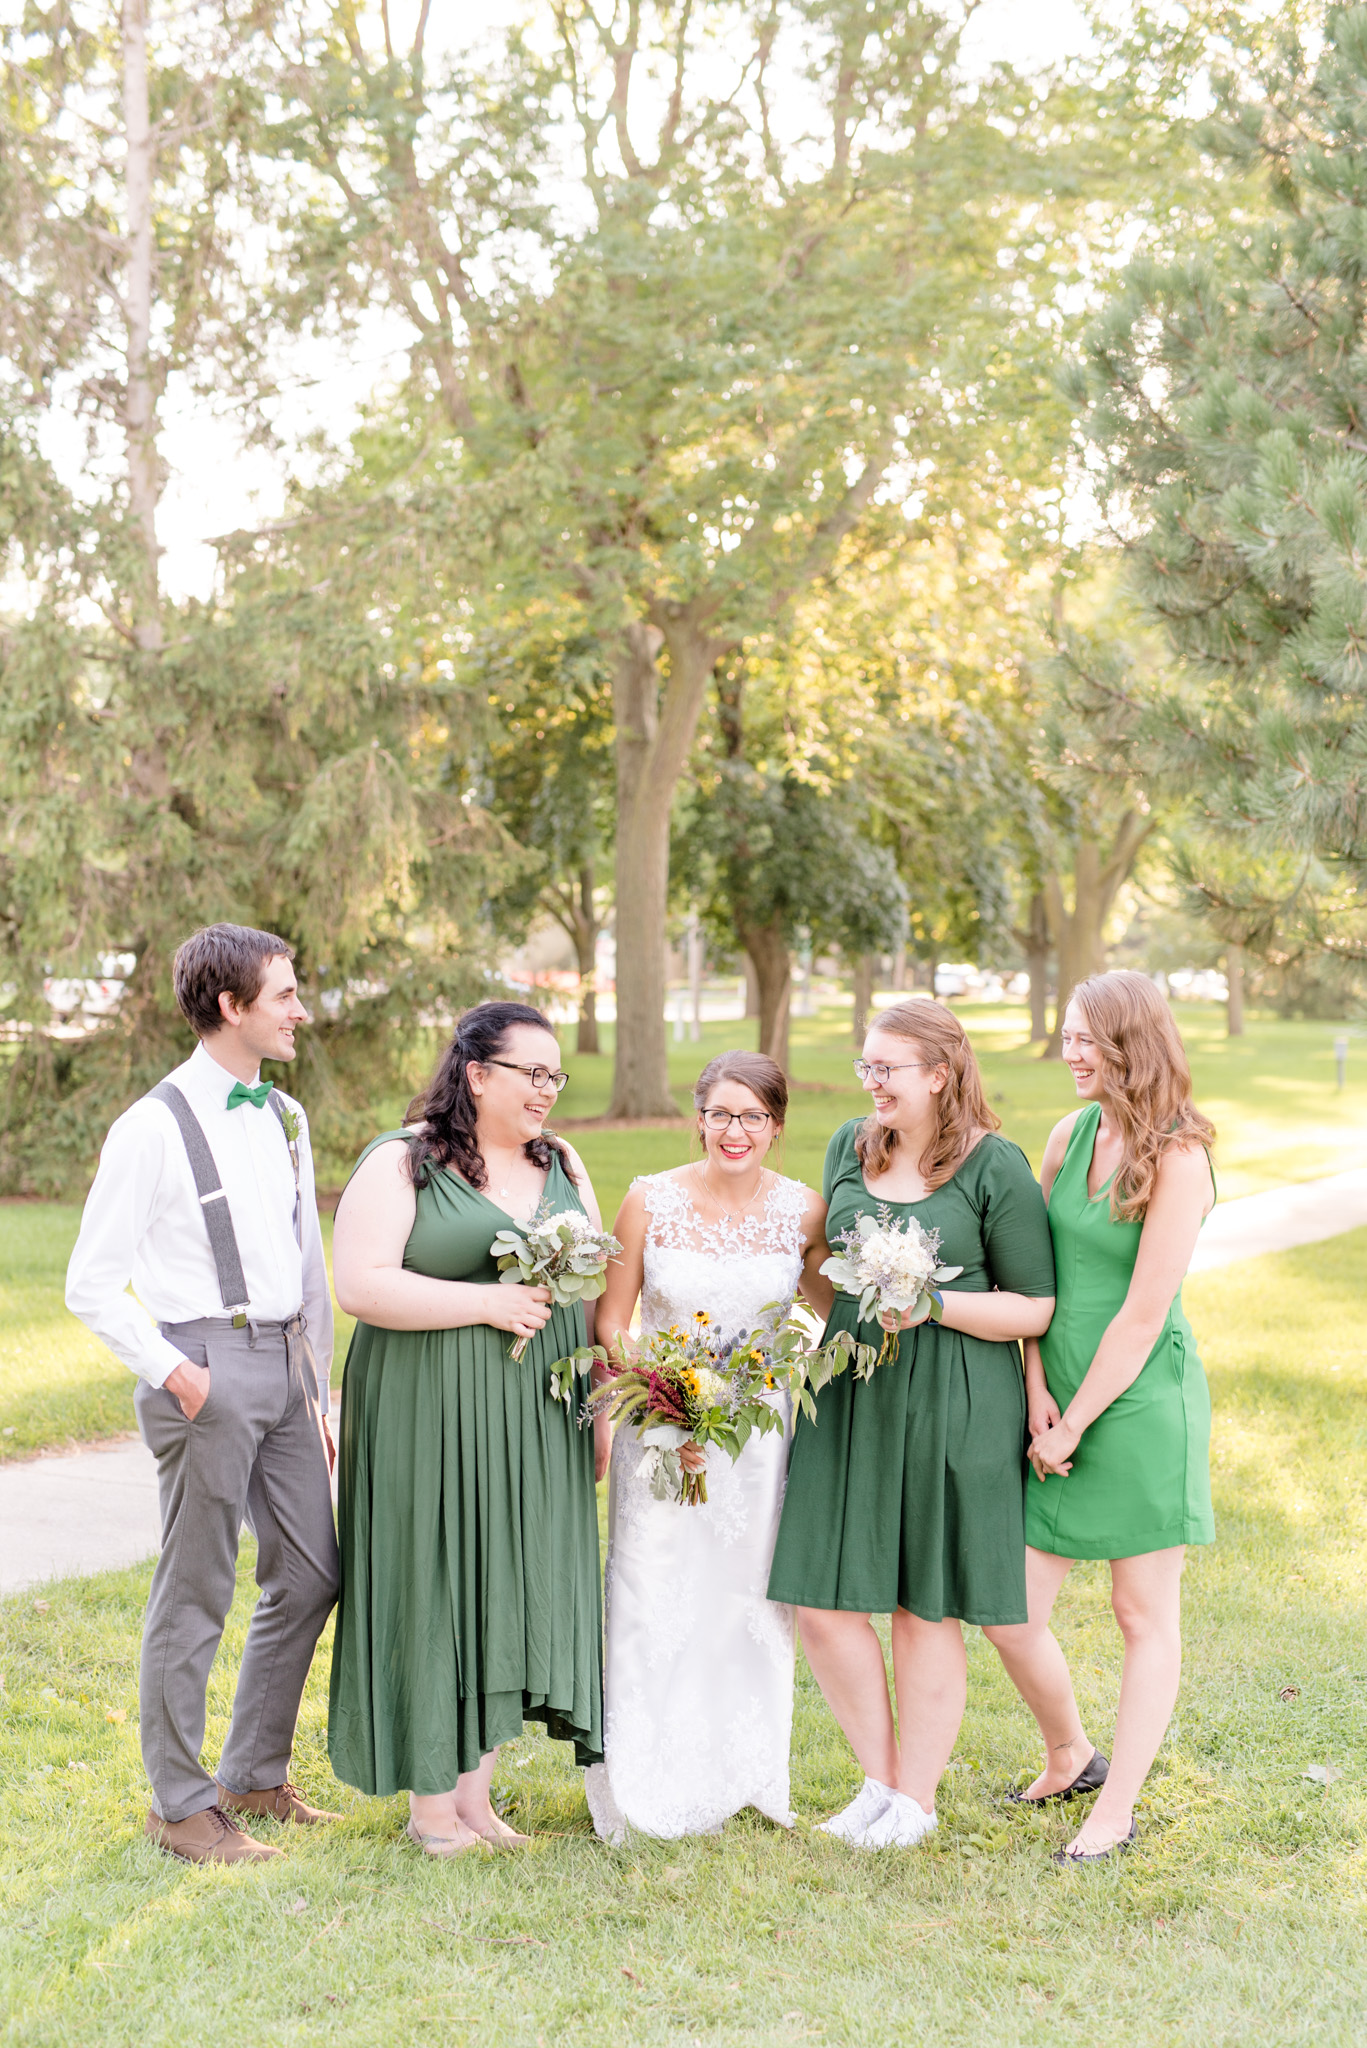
point(468, 1530)
point(1141, 1473)
point(909, 1489)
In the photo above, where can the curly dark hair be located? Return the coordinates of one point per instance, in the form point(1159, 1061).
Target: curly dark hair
point(448, 1108)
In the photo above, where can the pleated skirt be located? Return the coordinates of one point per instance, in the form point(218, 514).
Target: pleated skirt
point(470, 1594)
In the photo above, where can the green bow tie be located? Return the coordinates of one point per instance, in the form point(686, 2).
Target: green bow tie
point(256, 1096)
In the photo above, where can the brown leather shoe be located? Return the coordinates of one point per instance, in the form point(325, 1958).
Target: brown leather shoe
point(206, 1837)
point(277, 1802)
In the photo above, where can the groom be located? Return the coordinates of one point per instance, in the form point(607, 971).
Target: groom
point(204, 1200)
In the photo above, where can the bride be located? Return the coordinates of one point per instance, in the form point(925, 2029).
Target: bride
point(699, 1667)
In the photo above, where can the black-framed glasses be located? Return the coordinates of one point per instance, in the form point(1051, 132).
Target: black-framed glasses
point(880, 1071)
point(540, 1077)
point(748, 1119)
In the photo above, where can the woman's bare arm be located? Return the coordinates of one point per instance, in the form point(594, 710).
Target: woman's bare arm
point(1182, 1196)
point(998, 1317)
point(814, 1287)
point(374, 1221)
point(626, 1272)
point(583, 1186)
point(1054, 1150)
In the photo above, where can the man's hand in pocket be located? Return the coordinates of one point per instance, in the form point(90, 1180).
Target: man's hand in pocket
point(190, 1385)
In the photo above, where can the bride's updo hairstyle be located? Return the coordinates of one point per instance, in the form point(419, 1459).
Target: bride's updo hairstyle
point(1147, 1080)
point(935, 1035)
point(764, 1078)
point(448, 1109)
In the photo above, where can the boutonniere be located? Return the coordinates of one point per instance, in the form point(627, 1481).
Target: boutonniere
point(290, 1119)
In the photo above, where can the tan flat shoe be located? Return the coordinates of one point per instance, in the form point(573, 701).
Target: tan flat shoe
point(502, 1836)
point(442, 1845)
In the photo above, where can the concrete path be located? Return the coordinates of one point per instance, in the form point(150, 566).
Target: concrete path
point(1281, 1218)
point(89, 1511)
point(86, 1511)
point(71, 1512)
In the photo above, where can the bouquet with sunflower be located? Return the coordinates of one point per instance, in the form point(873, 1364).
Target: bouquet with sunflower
point(687, 1386)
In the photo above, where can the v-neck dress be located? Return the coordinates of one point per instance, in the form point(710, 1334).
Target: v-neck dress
point(467, 1527)
point(909, 1488)
point(1141, 1472)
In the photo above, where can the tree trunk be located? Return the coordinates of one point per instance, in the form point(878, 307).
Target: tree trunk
point(899, 971)
point(751, 988)
point(655, 731)
point(1035, 946)
point(139, 394)
point(586, 961)
point(1234, 975)
point(1078, 934)
point(767, 947)
point(863, 996)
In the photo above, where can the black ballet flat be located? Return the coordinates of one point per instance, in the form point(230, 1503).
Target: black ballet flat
point(1062, 1857)
point(1090, 1778)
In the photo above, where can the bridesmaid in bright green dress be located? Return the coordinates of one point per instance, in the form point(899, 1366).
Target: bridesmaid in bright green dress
point(467, 1520)
point(907, 1495)
point(1119, 1407)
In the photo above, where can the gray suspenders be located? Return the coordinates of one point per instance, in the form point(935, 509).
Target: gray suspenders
point(213, 1200)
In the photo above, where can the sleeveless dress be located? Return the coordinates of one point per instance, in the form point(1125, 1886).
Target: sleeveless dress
point(1141, 1473)
point(699, 1665)
point(467, 1527)
point(909, 1489)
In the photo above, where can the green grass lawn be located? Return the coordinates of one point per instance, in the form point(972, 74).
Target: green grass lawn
point(1271, 1094)
point(1242, 1916)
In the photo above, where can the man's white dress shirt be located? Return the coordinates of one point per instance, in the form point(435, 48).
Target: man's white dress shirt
point(143, 1222)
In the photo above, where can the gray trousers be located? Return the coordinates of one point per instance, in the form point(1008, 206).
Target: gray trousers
point(253, 1453)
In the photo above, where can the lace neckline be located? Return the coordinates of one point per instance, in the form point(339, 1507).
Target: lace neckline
point(674, 1221)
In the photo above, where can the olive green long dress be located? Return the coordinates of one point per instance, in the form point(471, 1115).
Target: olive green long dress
point(470, 1593)
point(1141, 1472)
point(908, 1491)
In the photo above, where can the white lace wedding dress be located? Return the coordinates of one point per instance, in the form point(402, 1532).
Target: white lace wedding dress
point(699, 1665)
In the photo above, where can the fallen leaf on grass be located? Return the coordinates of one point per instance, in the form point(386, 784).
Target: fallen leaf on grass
point(632, 1974)
point(1323, 1774)
point(40, 1606)
point(297, 1906)
point(1289, 1692)
point(116, 1714)
point(10, 1430)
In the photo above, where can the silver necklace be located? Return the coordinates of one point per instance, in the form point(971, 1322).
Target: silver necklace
point(734, 1214)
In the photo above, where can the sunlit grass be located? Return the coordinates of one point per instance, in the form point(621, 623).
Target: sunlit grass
point(1242, 1916)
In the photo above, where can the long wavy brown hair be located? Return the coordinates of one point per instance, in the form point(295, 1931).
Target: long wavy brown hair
point(1147, 1080)
point(961, 1106)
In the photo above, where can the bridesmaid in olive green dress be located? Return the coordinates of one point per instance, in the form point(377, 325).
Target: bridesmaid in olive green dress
point(467, 1521)
point(1119, 1408)
point(907, 1496)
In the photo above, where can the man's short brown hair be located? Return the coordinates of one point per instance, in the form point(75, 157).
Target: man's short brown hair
point(223, 959)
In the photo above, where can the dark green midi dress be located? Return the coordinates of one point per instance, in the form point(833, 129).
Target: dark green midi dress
point(468, 1530)
point(908, 1491)
point(1141, 1472)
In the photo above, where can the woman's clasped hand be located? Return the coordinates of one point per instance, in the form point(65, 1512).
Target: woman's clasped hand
point(1040, 1400)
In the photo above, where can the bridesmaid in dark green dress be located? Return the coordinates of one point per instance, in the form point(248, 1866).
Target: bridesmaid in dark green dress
point(907, 1495)
point(467, 1523)
point(1119, 1408)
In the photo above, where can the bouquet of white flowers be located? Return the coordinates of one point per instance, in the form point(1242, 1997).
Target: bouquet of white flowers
point(562, 1251)
point(891, 1266)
